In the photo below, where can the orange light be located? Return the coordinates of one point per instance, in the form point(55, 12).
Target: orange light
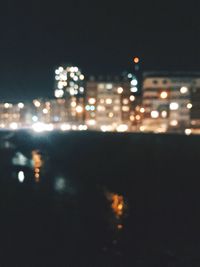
point(136, 60)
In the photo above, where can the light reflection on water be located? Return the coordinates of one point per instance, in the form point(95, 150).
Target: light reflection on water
point(37, 164)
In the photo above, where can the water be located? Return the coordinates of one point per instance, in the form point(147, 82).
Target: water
point(95, 199)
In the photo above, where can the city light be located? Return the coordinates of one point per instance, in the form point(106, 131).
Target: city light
point(134, 82)
point(184, 90)
point(164, 95)
point(188, 131)
point(174, 106)
point(13, 126)
point(122, 128)
point(39, 127)
point(174, 123)
point(65, 127)
point(136, 60)
point(21, 176)
point(120, 90)
point(154, 114)
point(189, 106)
point(134, 89)
point(21, 105)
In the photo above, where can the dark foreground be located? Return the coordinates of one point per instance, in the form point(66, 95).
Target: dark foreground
point(100, 200)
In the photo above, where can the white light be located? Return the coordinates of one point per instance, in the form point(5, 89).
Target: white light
point(142, 110)
point(45, 111)
point(188, 131)
point(38, 127)
point(134, 82)
point(65, 127)
point(122, 128)
point(132, 98)
point(74, 127)
point(73, 104)
point(189, 105)
point(82, 127)
point(130, 75)
point(109, 86)
point(91, 122)
point(134, 89)
point(120, 90)
point(13, 126)
point(60, 69)
point(75, 78)
point(60, 85)
point(154, 114)
point(75, 69)
point(91, 101)
point(81, 77)
point(6, 105)
point(21, 176)
point(57, 72)
point(174, 106)
point(21, 105)
point(81, 89)
point(59, 93)
point(35, 118)
point(174, 123)
point(164, 114)
point(79, 109)
point(104, 128)
point(184, 90)
point(108, 101)
point(37, 103)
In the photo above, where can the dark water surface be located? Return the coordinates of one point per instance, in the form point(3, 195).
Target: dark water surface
point(95, 199)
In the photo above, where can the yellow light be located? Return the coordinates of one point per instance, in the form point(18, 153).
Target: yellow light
point(138, 117)
point(125, 101)
point(120, 90)
point(188, 131)
point(142, 110)
point(164, 95)
point(108, 101)
point(136, 60)
point(132, 117)
point(189, 105)
point(132, 98)
point(110, 115)
point(174, 123)
point(79, 109)
point(122, 128)
point(73, 104)
point(125, 108)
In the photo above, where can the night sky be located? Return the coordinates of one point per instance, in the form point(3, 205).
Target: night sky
point(101, 37)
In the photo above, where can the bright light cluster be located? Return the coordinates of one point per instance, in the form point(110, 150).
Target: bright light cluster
point(69, 81)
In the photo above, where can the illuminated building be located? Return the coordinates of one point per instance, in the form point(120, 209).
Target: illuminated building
point(69, 81)
point(167, 101)
point(107, 105)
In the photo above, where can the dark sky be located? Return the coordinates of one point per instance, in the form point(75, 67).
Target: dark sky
point(99, 36)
